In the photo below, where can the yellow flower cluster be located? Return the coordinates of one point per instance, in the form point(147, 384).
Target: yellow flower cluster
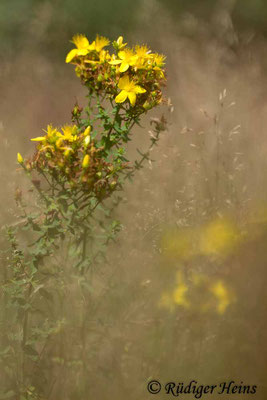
point(132, 76)
point(216, 239)
point(200, 293)
point(69, 155)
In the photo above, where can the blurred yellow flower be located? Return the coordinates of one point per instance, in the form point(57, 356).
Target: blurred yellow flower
point(222, 294)
point(128, 90)
point(219, 237)
point(179, 295)
point(180, 291)
point(82, 47)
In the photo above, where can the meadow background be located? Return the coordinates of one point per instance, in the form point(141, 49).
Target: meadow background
point(184, 294)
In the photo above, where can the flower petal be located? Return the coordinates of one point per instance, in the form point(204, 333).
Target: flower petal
point(123, 82)
point(71, 55)
point(39, 139)
point(82, 52)
point(122, 96)
point(80, 41)
point(124, 66)
point(132, 98)
point(115, 62)
point(139, 89)
point(122, 54)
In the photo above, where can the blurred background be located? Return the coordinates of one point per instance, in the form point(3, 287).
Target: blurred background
point(185, 297)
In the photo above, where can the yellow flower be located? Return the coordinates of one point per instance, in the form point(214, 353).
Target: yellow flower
point(128, 90)
point(86, 161)
point(158, 63)
point(159, 60)
point(100, 43)
point(143, 52)
point(52, 135)
point(20, 158)
point(51, 132)
point(143, 56)
point(126, 58)
point(69, 133)
point(82, 47)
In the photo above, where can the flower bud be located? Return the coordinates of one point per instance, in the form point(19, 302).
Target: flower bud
point(87, 131)
point(75, 111)
point(20, 158)
point(87, 141)
point(120, 40)
point(113, 184)
point(120, 43)
point(86, 161)
point(147, 105)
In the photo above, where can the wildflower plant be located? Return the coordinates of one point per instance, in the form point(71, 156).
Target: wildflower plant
point(77, 171)
point(132, 77)
point(84, 163)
